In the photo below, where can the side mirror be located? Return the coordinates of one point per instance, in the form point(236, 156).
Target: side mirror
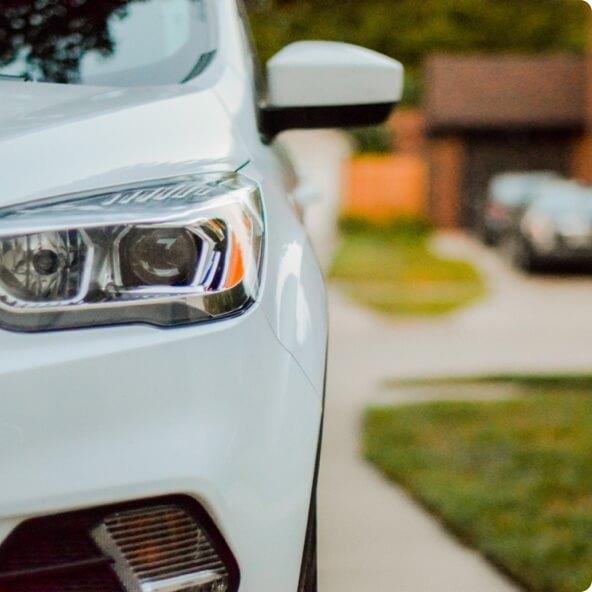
point(321, 84)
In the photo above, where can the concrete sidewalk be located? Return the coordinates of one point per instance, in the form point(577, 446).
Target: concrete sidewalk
point(372, 536)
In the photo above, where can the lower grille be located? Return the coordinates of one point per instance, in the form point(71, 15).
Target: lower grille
point(164, 545)
point(55, 555)
point(82, 581)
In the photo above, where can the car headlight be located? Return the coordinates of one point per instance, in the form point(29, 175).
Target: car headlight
point(575, 225)
point(541, 229)
point(166, 253)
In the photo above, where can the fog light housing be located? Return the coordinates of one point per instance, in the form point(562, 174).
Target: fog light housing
point(161, 545)
point(161, 549)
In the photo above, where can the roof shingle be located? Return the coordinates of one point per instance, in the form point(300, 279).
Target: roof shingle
point(500, 92)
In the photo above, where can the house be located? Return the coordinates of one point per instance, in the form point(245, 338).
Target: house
point(489, 114)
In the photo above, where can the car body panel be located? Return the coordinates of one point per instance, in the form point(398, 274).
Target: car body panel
point(566, 208)
point(226, 412)
point(108, 137)
point(106, 415)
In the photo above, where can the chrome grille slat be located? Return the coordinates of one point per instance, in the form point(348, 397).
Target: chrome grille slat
point(157, 516)
point(168, 550)
point(180, 559)
point(151, 524)
point(183, 582)
point(183, 573)
point(165, 573)
point(132, 514)
point(182, 564)
point(161, 542)
point(121, 520)
point(156, 528)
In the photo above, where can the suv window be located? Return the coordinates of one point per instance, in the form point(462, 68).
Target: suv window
point(105, 42)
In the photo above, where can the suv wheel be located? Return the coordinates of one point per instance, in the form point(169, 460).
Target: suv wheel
point(520, 254)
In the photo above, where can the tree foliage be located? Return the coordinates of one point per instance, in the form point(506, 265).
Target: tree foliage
point(410, 29)
point(53, 35)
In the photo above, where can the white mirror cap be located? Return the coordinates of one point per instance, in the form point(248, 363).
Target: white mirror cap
point(325, 73)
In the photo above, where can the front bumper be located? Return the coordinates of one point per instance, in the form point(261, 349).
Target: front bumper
point(569, 251)
point(220, 412)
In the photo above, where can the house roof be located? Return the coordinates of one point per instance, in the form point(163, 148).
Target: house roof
point(498, 92)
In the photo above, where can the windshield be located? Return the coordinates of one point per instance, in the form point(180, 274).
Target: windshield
point(515, 189)
point(105, 42)
point(562, 197)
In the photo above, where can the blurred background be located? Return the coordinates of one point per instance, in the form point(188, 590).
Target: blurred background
point(457, 240)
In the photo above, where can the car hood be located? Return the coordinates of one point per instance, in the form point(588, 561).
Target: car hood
point(58, 139)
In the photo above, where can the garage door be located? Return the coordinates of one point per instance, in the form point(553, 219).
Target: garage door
point(491, 153)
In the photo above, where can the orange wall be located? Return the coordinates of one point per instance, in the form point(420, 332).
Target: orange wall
point(381, 188)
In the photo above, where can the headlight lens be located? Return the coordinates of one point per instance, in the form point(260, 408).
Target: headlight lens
point(161, 257)
point(43, 267)
point(541, 229)
point(166, 253)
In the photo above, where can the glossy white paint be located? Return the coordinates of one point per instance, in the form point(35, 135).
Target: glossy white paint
point(327, 74)
point(79, 138)
point(220, 412)
point(227, 412)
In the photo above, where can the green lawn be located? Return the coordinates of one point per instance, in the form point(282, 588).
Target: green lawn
point(511, 478)
point(394, 271)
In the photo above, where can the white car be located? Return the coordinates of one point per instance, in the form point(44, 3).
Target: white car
point(163, 322)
